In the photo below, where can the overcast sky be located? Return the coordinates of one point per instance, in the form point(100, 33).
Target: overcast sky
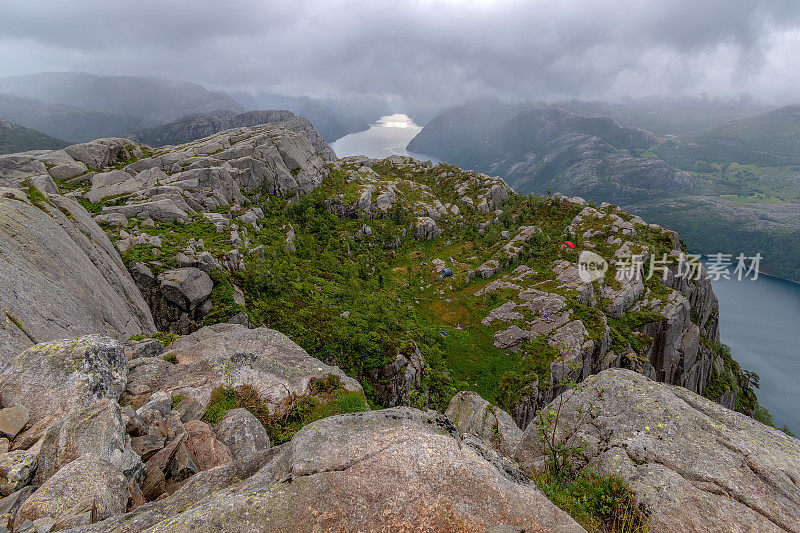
point(433, 50)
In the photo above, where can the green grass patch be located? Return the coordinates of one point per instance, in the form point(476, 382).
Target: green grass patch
point(535, 358)
point(623, 330)
point(223, 306)
point(328, 398)
point(176, 399)
point(37, 198)
point(601, 504)
point(166, 338)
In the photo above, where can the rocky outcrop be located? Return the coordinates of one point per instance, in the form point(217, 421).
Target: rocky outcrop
point(473, 415)
point(60, 276)
point(201, 442)
point(231, 355)
point(88, 489)
point(668, 316)
point(12, 420)
point(397, 382)
point(407, 469)
point(97, 430)
point(212, 172)
point(178, 298)
point(55, 378)
point(199, 126)
point(695, 465)
point(17, 469)
point(242, 433)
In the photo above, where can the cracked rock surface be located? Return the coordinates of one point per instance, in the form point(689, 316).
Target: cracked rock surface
point(694, 464)
point(399, 469)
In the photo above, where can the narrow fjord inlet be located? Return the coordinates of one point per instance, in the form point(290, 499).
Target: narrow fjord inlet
point(388, 136)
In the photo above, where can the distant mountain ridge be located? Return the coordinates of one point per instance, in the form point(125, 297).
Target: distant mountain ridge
point(332, 118)
point(670, 115)
point(546, 147)
point(153, 100)
point(768, 139)
point(16, 138)
point(63, 121)
point(197, 126)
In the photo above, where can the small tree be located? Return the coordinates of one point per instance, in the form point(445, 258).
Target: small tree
point(562, 454)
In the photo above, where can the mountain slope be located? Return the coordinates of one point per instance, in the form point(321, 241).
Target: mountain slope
point(389, 227)
point(63, 121)
point(542, 148)
point(669, 115)
point(16, 138)
point(770, 139)
point(416, 281)
point(153, 100)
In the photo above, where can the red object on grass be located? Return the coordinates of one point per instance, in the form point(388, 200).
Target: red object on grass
point(569, 243)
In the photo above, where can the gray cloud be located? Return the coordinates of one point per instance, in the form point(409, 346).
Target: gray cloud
point(426, 50)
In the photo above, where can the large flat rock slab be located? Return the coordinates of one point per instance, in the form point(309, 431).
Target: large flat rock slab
point(60, 276)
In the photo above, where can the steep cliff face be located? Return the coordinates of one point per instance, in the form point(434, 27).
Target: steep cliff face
point(664, 327)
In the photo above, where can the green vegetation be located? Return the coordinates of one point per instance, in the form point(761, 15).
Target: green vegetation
point(536, 358)
point(623, 330)
point(357, 299)
point(166, 338)
point(97, 207)
point(37, 198)
point(176, 399)
point(740, 383)
point(222, 400)
point(328, 398)
point(223, 305)
point(175, 236)
point(600, 503)
point(391, 298)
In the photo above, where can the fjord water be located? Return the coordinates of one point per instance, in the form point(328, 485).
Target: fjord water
point(760, 321)
point(388, 136)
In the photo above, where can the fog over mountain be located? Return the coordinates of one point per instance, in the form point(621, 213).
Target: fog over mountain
point(421, 52)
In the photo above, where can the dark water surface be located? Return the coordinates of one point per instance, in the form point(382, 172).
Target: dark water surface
point(760, 321)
